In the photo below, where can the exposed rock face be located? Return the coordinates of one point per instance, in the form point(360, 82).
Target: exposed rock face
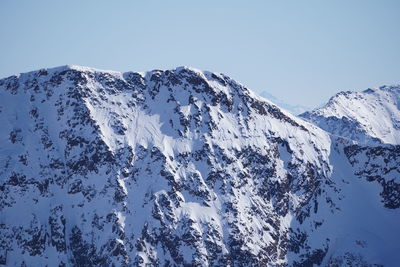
point(368, 117)
point(186, 168)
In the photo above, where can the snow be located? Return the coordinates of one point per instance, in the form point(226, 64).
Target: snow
point(153, 182)
point(373, 114)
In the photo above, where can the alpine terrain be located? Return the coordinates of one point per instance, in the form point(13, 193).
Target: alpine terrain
point(371, 116)
point(190, 168)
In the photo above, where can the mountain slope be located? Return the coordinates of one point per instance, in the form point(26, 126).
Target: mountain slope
point(295, 110)
point(182, 167)
point(371, 116)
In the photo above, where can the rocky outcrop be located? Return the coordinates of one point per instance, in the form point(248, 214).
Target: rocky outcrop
point(177, 167)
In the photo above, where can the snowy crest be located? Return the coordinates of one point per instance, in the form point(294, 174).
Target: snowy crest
point(182, 167)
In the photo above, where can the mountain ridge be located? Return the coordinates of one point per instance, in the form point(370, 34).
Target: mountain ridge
point(371, 116)
point(181, 167)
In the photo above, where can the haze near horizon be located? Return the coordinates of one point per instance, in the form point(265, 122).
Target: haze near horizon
point(300, 52)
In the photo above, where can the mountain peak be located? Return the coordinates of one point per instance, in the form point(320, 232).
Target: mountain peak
point(371, 116)
point(181, 167)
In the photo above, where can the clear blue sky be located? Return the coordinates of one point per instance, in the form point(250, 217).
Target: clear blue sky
point(300, 51)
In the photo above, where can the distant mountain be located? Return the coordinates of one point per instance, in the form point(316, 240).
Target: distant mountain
point(183, 168)
point(295, 110)
point(371, 116)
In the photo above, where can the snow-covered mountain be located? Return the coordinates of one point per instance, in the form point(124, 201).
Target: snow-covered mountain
point(294, 109)
point(370, 116)
point(182, 168)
